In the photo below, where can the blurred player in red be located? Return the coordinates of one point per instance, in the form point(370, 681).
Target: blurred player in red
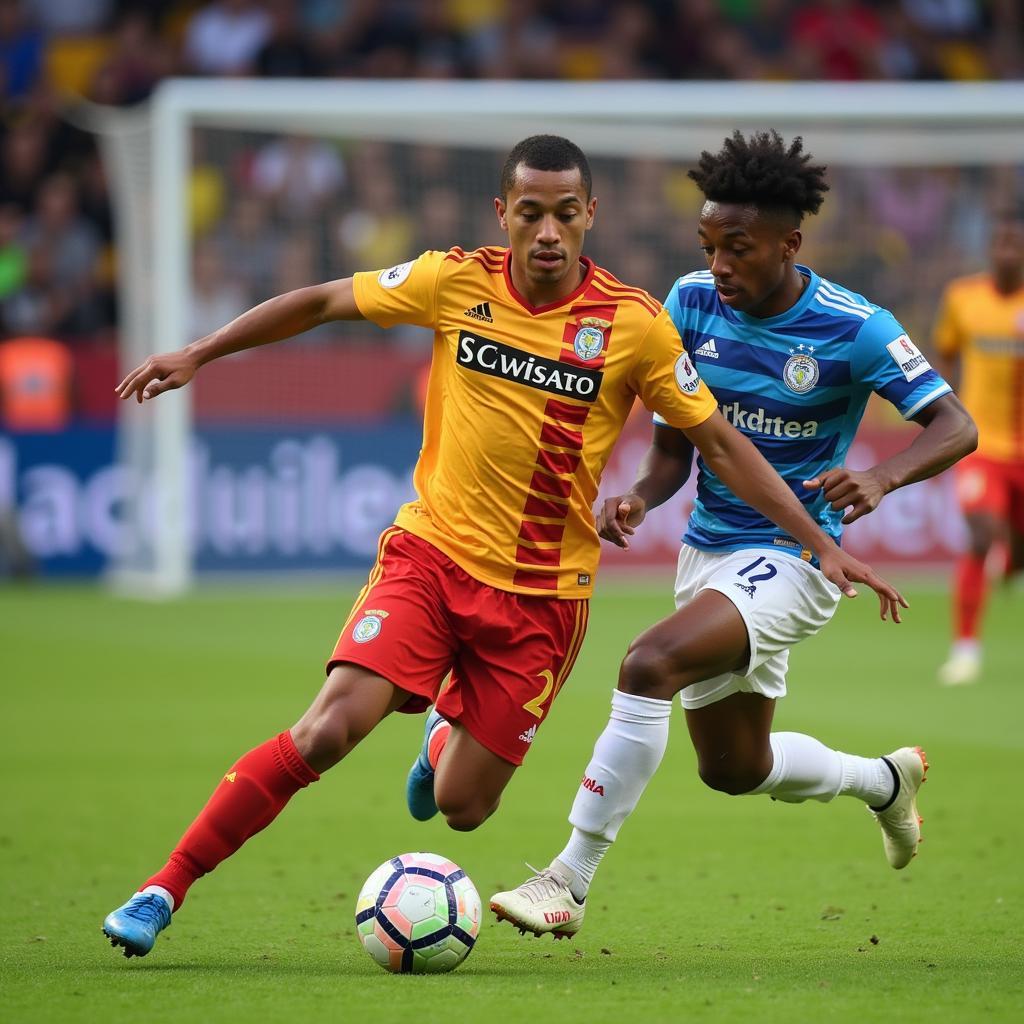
point(538, 357)
point(979, 338)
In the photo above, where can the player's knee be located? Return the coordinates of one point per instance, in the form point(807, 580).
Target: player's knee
point(326, 733)
point(323, 739)
point(731, 775)
point(648, 671)
point(981, 535)
point(464, 816)
point(979, 544)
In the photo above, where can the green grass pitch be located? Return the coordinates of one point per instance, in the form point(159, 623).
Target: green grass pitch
point(119, 718)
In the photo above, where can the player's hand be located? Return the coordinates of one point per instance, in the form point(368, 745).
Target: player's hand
point(619, 517)
point(844, 570)
point(847, 487)
point(157, 375)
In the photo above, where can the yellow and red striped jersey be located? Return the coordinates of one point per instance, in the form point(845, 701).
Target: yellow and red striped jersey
point(523, 407)
point(986, 329)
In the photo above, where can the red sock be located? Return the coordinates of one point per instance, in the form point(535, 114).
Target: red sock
point(435, 745)
point(971, 586)
point(248, 799)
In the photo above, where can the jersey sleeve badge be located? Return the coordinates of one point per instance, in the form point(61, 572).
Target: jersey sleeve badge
point(394, 276)
point(908, 357)
point(686, 375)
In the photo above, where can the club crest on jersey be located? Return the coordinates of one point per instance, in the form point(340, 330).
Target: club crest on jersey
point(801, 372)
point(368, 627)
point(589, 342)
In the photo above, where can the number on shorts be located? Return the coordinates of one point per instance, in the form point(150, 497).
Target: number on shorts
point(534, 706)
point(769, 570)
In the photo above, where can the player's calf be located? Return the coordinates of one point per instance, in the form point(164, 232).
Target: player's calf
point(735, 778)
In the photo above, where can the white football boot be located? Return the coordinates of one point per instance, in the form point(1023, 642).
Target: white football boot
point(961, 669)
point(899, 821)
point(543, 904)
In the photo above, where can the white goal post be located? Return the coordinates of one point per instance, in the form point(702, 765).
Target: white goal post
point(149, 161)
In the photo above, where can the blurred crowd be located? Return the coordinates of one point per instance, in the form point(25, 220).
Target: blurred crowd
point(272, 213)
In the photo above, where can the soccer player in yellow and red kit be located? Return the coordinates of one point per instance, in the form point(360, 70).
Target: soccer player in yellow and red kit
point(538, 356)
point(980, 333)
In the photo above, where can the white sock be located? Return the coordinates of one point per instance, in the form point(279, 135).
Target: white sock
point(967, 649)
point(805, 769)
point(161, 891)
point(579, 861)
point(626, 756)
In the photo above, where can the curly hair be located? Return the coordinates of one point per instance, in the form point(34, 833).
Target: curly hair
point(762, 171)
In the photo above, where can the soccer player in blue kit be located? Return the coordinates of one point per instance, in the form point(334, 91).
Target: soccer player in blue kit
point(791, 359)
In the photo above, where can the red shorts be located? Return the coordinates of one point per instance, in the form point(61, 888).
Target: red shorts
point(420, 617)
point(988, 485)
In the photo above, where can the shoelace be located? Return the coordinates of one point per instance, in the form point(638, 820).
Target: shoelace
point(543, 884)
point(150, 909)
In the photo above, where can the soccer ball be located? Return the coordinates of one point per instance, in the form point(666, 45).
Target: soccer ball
point(418, 914)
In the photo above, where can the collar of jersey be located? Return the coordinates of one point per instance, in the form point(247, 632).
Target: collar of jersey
point(792, 313)
point(534, 310)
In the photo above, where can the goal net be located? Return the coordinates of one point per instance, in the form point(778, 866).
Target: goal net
point(293, 457)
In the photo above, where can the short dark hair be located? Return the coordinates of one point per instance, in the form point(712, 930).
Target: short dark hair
point(762, 171)
point(545, 153)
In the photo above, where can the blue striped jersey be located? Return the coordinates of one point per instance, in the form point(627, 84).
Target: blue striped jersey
point(796, 384)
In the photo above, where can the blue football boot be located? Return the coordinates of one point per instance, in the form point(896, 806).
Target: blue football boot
point(137, 924)
point(419, 786)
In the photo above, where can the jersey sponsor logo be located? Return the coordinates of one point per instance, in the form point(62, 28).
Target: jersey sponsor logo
point(757, 421)
point(528, 735)
point(496, 359)
point(231, 776)
point(482, 311)
point(367, 628)
point(583, 579)
point(750, 591)
point(686, 375)
point(592, 786)
point(709, 350)
point(908, 357)
point(588, 343)
point(801, 372)
point(396, 275)
point(999, 346)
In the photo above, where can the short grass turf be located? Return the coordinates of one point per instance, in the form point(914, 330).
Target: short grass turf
point(119, 717)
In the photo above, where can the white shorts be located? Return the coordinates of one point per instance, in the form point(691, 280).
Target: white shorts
point(782, 600)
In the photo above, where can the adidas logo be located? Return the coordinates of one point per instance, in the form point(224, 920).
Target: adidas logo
point(709, 350)
point(481, 312)
point(528, 735)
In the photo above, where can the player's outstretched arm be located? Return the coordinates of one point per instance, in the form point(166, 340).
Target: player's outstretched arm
point(663, 470)
point(744, 470)
point(281, 317)
point(949, 434)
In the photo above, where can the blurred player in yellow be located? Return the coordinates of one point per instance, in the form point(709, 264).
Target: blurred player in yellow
point(979, 339)
point(538, 357)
